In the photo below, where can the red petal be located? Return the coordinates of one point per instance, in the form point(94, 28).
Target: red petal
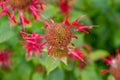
point(22, 42)
point(34, 11)
point(104, 71)
point(75, 37)
point(107, 61)
point(49, 50)
point(28, 54)
point(51, 19)
point(75, 22)
point(42, 44)
point(65, 21)
point(22, 19)
point(82, 28)
point(41, 5)
point(1, 3)
point(5, 10)
point(45, 22)
point(12, 16)
point(76, 54)
point(26, 21)
point(85, 31)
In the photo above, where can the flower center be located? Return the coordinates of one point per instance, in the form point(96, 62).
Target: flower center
point(58, 35)
point(20, 3)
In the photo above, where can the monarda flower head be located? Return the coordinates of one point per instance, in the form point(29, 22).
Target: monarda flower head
point(59, 35)
point(114, 66)
point(32, 6)
point(32, 43)
point(64, 6)
point(5, 58)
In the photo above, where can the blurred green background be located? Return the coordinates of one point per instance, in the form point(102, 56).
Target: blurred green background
point(104, 38)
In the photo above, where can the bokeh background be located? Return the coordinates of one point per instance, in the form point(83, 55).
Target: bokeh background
point(102, 40)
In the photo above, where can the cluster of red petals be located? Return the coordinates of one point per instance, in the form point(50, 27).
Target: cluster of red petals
point(79, 26)
point(76, 53)
point(34, 8)
point(64, 6)
point(5, 58)
point(32, 43)
point(109, 61)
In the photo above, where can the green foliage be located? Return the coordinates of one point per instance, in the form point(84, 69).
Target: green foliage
point(5, 32)
point(98, 54)
point(37, 76)
point(57, 74)
point(51, 64)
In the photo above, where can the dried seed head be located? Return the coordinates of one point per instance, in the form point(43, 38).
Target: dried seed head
point(20, 3)
point(58, 35)
point(115, 69)
point(59, 52)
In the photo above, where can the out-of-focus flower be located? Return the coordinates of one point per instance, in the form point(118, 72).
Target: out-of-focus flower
point(32, 6)
point(114, 66)
point(5, 58)
point(59, 35)
point(64, 6)
point(86, 47)
point(39, 68)
point(32, 43)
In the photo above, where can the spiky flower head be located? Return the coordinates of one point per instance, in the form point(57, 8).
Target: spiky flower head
point(32, 44)
point(59, 35)
point(32, 6)
point(114, 66)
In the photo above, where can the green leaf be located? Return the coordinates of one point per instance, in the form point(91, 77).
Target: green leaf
point(110, 78)
point(50, 10)
point(77, 72)
point(98, 54)
point(57, 74)
point(51, 64)
point(35, 60)
point(21, 71)
point(37, 76)
point(5, 32)
point(89, 73)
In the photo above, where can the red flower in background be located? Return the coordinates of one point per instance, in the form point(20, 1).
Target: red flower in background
point(64, 6)
point(32, 43)
point(114, 66)
point(32, 6)
point(5, 58)
point(59, 35)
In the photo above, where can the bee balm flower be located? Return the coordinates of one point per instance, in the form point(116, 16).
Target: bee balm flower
point(64, 6)
point(32, 43)
point(114, 66)
point(5, 58)
point(32, 6)
point(59, 35)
